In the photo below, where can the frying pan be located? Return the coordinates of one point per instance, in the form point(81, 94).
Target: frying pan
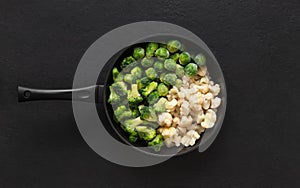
point(98, 94)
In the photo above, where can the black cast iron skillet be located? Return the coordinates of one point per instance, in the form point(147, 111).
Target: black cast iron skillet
point(105, 110)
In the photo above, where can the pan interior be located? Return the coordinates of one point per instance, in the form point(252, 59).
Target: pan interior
point(105, 110)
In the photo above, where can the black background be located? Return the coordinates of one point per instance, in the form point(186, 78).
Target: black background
point(256, 43)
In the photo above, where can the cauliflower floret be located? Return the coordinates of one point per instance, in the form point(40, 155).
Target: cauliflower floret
point(203, 88)
point(165, 119)
point(174, 91)
point(209, 119)
point(177, 140)
point(175, 121)
point(168, 132)
point(206, 104)
point(204, 80)
point(193, 134)
point(181, 130)
point(202, 71)
point(185, 108)
point(196, 98)
point(215, 103)
point(208, 96)
point(185, 121)
point(170, 105)
point(214, 89)
point(168, 142)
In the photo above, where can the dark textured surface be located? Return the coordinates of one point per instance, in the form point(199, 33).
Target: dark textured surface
point(256, 43)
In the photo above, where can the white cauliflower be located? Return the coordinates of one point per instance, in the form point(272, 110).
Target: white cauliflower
point(170, 105)
point(185, 108)
point(209, 119)
point(168, 132)
point(214, 89)
point(215, 103)
point(165, 119)
point(185, 121)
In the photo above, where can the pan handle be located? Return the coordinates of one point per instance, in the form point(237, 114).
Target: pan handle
point(87, 94)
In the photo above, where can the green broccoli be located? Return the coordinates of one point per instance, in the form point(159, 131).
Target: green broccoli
point(160, 106)
point(150, 49)
point(138, 53)
point(125, 115)
point(134, 95)
point(170, 64)
point(153, 97)
point(115, 73)
point(113, 97)
point(179, 71)
point(120, 88)
point(162, 89)
point(156, 143)
point(151, 73)
point(147, 62)
point(170, 79)
point(119, 111)
point(143, 82)
point(130, 124)
point(147, 113)
point(133, 137)
point(149, 88)
point(127, 61)
point(135, 112)
point(146, 133)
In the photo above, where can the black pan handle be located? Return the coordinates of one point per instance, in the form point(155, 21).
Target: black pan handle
point(87, 94)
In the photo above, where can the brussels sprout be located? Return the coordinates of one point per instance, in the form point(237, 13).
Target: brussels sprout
point(147, 62)
point(178, 83)
point(150, 49)
point(170, 64)
point(151, 73)
point(162, 53)
point(184, 58)
point(200, 60)
point(162, 89)
point(138, 53)
point(158, 66)
point(136, 72)
point(175, 57)
point(191, 69)
point(127, 61)
point(128, 78)
point(179, 71)
point(161, 77)
point(173, 46)
point(170, 79)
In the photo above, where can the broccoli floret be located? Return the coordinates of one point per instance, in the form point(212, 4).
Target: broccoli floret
point(170, 79)
point(170, 65)
point(160, 106)
point(127, 61)
point(135, 112)
point(179, 71)
point(128, 78)
point(162, 89)
point(119, 78)
point(154, 125)
point(125, 115)
point(130, 124)
point(143, 82)
point(153, 97)
point(158, 66)
point(134, 95)
point(147, 62)
point(113, 97)
point(151, 73)
point(120, 88)
point(149, 88)
point(136, 73)
point(146, 133)
point(156, 143)
point(133, 137)
point(147, 113)
point(115, 73)
point(119, 111)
